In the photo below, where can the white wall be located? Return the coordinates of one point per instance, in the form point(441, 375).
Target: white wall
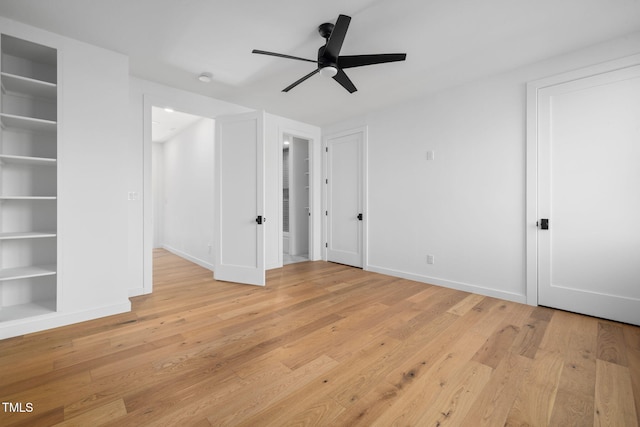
point(186, 201)
point(157, 180)
point(467, 206)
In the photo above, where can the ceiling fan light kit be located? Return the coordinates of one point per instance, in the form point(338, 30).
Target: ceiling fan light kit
point(330, 63)
point(328, 71)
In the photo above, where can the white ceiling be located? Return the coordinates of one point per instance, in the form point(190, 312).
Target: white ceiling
point(166, 124)
point(448, 42)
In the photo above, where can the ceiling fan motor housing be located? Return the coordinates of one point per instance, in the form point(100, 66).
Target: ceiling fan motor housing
point(325, 29)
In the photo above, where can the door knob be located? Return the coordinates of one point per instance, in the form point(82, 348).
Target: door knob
point(544, 224)
point(359, 217)
point(260, 219)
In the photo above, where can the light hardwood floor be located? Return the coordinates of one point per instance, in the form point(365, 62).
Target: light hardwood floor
point(323, 344)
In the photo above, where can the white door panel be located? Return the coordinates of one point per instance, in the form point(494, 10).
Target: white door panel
point(345, 199)
point(239, 196)
point(589, 189)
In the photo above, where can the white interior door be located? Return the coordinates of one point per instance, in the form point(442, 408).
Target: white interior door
point(345, 214)
point(239, 162)
point(589, 191)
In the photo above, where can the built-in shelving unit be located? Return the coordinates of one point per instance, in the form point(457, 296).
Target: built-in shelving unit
point(28, 179)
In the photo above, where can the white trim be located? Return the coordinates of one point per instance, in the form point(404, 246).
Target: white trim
point(56, 319)
point(365, 197)
point(147, 199)
point(533, 89)
point(466, 287)
point(135, 292)
point(313, 237)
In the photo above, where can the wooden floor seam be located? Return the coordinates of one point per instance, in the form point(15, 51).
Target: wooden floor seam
point(322, 344)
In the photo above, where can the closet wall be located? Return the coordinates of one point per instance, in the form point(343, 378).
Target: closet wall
point(91, 217)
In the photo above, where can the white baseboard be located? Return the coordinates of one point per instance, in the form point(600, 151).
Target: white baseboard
point(134, 292)
point(200, 262)
point(14, 328)
point(466, 287)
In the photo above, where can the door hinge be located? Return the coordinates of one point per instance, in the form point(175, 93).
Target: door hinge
point(326, 181)
point(326, 213)
point(326, 245)
point(326, 149)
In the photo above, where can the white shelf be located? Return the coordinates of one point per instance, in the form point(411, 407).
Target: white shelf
point(27, 272)
point(29, 92)
point(28, 86)
point(28, 123)
point(25, 160)
point(26, 235)
point(28, 198)
point(30, 51)
point(24, 311)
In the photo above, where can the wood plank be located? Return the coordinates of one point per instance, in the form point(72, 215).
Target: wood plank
point(614, 403)
point(265, 391)
point(574, 403)
point(496, 346)
point(466, 304)
point(632, 346)
point(528, 340)
point(421, 389)
point(536, 396)
point(457, 396)
point(97, 416)
point(611, 347)
point(494, 402)
point(323, 344)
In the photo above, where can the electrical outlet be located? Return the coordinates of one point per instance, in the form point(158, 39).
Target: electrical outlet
point(431, 155)
point(430, 259)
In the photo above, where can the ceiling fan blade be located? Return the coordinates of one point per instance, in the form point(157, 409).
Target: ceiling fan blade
point(351, 61)
point(280, 55)
point(344, 80)
point(334, 44)
point(296, 83)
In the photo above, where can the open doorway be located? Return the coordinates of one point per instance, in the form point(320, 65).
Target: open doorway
point(295, 199)
point(182, 184)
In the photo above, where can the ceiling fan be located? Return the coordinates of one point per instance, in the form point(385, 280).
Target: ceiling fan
point(329, 61)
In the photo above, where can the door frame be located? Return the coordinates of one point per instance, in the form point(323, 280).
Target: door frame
point(313, 172)
point(532, 124)
point(294, 201)
point(364, 131)
point(187, 103)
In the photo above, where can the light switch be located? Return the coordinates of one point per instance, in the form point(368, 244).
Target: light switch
point(431, 155)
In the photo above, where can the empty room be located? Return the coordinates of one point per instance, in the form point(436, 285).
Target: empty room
point(364, 213)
